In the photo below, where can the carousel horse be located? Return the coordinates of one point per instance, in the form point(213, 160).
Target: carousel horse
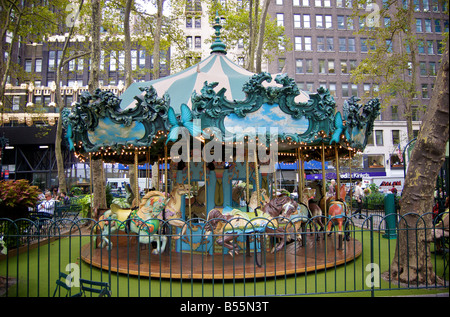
point(145, 220)
point(338, 209)
point(227, 225)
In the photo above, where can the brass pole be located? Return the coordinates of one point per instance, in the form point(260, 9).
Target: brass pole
point(166, 181)
point(338, 175)
point(189, 175)
point(136, 172)
point(247, 178)
point(324, 188)
point(257, 181)
point(350, 171)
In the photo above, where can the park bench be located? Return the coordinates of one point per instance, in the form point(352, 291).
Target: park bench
point(101, 289)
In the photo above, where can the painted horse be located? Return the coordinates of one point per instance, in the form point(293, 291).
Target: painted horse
point(337, 209)
point(227, 225)
point(145, 221)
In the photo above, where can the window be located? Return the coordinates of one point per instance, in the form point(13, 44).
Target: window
point(80, 64)
point(298, 66)
point(430, 47)
point(379, 137)
point(189, 42)
point(319, 21)
point(112, 62)
point(341, 22)
point(428, 25)
point(318, 3)
point(281, 43)
point(345, 92)
point(308, 43)
point(16, 103)
point(350, 24)
point(198, 42)
point(297, 21)
point(389, 46)
point(279, 2)
point(28, 64)
point(305, 3)
point(309, 66)
point(432, 69)
point(281, 63)
point(306, 21)
point(330, 44)
point(322, 66)
point(387, 22)
point(328, 22)
point(332, 89)
point(320, 43)
point(344, 68)
point(351, 45)
point(394, 112)
point(354, 90)
point(420, 47)
point(331, 68)
point(133, 59)
point(38, 65)
point(366, 88)
point(189, 22)
point(72, 65)
point(395, 161)
point(426, 5)
point(141, 59)
point(352, 64)
point(310, 87)
point(342, 44)
point(198, 22)
point(375, 161)
point(298, 43)
point(280, 19)
point(121, 60)
point(327, 3)
point(423, 68)
point(51, 60)
point(296, 3)
point(415, 113)
point(425, 91)
point(395, 137)
point(364, 45)
point(437, 26)
point(419, 25)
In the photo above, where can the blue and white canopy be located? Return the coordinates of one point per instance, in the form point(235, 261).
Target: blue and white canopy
point(220, 94)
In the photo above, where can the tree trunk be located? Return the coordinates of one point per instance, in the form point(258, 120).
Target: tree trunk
point(412, 261)
point(127, 44)
point(259, 48)
point(157, 39)
point(62, 184)
point(98, 181)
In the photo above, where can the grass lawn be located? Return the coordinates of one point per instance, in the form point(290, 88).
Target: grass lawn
point(38, 269)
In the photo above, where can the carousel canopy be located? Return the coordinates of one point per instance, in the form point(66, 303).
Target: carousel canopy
point(218, 94)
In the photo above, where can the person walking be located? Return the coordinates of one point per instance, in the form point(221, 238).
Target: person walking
point(358, 194)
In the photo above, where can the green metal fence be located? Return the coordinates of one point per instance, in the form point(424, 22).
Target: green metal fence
point(357, 262)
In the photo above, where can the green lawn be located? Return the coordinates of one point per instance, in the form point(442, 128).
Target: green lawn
point(37, 276)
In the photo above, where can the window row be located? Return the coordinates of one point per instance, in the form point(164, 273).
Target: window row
point(196, 44)
point(345, 89)
point(113, 61)
point(346, 22)
point(419, 5)
point(426, 25)
point(324, 66)
point(327, 44)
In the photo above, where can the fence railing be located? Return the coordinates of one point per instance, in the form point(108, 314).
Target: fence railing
point(199, 260)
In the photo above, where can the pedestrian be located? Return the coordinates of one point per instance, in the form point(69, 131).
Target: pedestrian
point(332, 189)
point(358, 194)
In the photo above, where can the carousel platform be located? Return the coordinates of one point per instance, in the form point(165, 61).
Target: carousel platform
point(129, 258)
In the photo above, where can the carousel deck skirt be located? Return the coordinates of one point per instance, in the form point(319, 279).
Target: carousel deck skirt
point(130, 258)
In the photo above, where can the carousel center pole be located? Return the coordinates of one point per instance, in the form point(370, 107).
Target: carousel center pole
point(274, 176)
point(350, 171)
point(247, 179)
point(300, 174)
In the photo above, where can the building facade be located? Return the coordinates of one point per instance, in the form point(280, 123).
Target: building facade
point(326, 48)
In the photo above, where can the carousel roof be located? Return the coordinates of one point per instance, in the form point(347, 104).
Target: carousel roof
point(221, 95)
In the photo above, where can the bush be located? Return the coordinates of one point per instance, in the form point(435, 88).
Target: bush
point(18, 193)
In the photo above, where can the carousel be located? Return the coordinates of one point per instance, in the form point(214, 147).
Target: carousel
point(219, 132)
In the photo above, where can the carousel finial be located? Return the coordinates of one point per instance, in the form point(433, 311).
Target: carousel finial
point(218, 46)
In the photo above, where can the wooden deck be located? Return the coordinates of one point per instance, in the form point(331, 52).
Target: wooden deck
point(316, 255)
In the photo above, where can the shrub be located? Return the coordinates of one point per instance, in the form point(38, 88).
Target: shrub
point(18, 193)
